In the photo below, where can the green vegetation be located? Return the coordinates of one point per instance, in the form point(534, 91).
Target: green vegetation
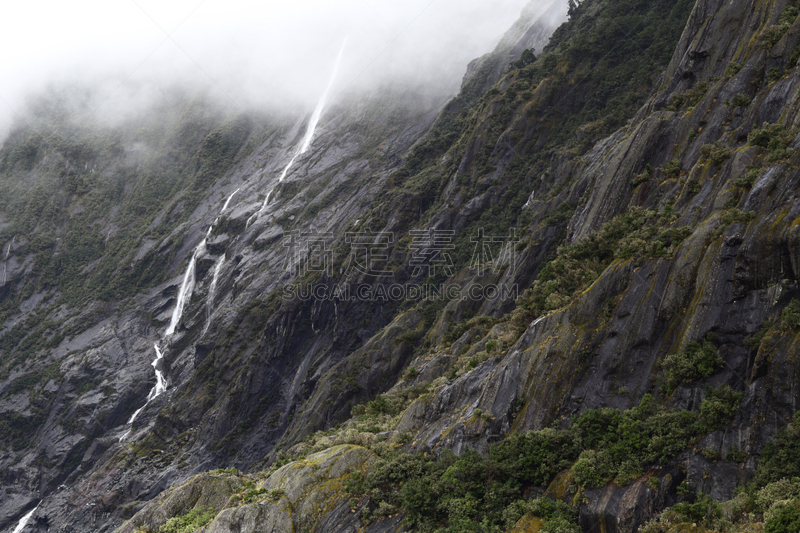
point(770, 501)
point(559, 215)
point(699, 360)
point(672, 169)
point(772, 34)
point(689, 98)
point(740, 100)
point(775, 138)
point(642, 177)
point(475, 493)
point(190, 522)
point(790, 316)
point(748, 179)
point(728, 217)
point(774, 74)
point(715, 153)
point(637, 234)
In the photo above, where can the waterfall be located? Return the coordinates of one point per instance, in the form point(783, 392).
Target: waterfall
point(25, 519)
point(308, 137)
point(312, 125)
point(161, 382)
point(224, 207)
point(530, 199)
point(158, 388)
point(5, 260)
point(185, 293)
point(212, 290)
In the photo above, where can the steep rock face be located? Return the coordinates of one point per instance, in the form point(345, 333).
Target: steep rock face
point(733, 275)
point(241, 363)
point(251, 372)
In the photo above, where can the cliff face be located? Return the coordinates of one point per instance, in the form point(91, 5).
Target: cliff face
point(647, 161)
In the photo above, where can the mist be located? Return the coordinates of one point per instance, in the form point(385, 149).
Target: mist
point(121, 55)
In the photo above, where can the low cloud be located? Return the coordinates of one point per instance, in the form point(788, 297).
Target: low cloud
point(252, 55)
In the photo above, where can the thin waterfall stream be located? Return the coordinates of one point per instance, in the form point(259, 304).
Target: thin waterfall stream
point(188, 282)
point(307, 138)
point(184, 295)
point(5, 260)
point(24, 520)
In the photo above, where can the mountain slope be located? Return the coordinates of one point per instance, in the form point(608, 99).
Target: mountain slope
point(639, 350)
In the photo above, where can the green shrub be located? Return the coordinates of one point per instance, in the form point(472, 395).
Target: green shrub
point(594, 468)
point(773, 137)
point(715, 153)
point(772, 34)
point(747, 180)
point(642, 177)
point(639, 233)
point(190, 522)
point(558, 516)
point(537, 456)
point(731, 216)
point(740, 100)
point(774, 74)
point(560, 215)
point(699, 360)
point(780, 457)
point(719, 406)
point(790, 316)
point(704, 510)
point(689, 98)
point(736, 456)
point(785, 518)
point(410, 374)
point(732, 69)
point(672, 169)
point(777, 491)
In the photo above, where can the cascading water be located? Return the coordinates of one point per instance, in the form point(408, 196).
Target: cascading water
point(185, 292)
point(228, 201)
point(307, 138)
point(184, 295)
point(5, 260)
point(160, 386)
point(24, 520)
point(212, 290)
point(187, 286)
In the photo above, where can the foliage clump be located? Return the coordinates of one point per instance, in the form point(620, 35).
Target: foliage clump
point(772, 34)
point(600, 445)
point(790, 317)
point(774, 137)
point(689, 98)
point(747, 180)
point(698, 360)
point(637, 234)
point(191, 521)
point(740, 100)
point(715, 153)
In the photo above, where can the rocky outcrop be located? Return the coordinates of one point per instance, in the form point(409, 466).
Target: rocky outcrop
point(302, 495)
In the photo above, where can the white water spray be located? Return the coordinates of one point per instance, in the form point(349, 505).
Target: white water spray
point(307, 138)
point(158, 388)
point(24, 520)
point(228, 201)
point(185, 292)
point(5, 261)
point(212, 290)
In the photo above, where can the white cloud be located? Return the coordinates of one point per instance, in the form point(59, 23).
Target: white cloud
point(252, 53)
